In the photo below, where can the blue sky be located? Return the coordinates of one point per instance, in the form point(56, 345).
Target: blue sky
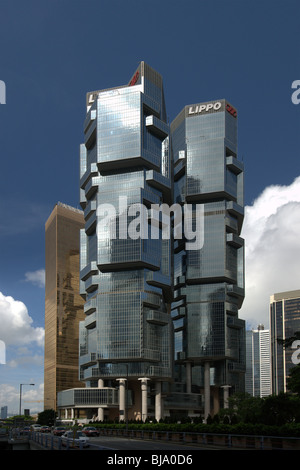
point(53, 52)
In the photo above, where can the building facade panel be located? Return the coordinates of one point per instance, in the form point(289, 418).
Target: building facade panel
point(209, 282)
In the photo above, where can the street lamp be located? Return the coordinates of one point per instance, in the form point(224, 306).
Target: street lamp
point(21, 396)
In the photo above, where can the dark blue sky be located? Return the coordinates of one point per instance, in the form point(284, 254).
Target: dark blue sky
point(53, 52)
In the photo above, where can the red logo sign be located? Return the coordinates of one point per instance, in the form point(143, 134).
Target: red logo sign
point(231, 110)
point(134, 79)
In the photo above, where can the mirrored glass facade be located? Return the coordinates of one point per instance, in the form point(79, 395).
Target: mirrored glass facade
point(125, 277)
point(159, 307)
point(209, 282)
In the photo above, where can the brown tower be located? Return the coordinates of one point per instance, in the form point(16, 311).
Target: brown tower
point(63, 303)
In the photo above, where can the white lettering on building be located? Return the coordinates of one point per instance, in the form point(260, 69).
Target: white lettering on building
point(199, 108)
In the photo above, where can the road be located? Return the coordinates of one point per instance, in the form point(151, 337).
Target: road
point(124, 444)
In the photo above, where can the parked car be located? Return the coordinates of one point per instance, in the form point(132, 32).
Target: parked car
point(59, 431)
point(45, 429)
point(90, 431)
point(36, 427)
point(75, 439)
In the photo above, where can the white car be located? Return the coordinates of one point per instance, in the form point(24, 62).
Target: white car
point(75, 439)
point(36, 427)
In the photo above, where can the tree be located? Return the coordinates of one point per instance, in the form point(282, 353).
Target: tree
point(293, 381)
point(289, 341)
point(280, 409)
point(47, 417)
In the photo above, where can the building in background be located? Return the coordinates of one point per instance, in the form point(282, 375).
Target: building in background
point(63, 303)
point(161, 326)
point(258, 362)
point(284, 323)
point(209, 281)
point(4, 410)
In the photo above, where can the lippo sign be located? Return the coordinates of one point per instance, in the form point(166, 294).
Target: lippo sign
point(211, 107)
point(138, 221)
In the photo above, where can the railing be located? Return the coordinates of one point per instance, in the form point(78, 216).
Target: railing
point(51, 442)
point(234, 441)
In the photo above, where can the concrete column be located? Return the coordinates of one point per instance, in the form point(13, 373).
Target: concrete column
point(206, 390)
point(66, 413)
point(122, 398)
point(144, 398)
point(188, 372)
point(226, 394)
point(100, 415)
point(158, 401)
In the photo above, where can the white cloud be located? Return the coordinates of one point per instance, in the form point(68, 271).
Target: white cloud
point(36, 277)
point(16, 325)
point(32, 397)
point(272, 257)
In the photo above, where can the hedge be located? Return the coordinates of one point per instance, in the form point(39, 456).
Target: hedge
point(286, 430)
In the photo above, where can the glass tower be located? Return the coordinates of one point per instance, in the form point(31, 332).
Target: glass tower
point(126, 274)
point(284, 324)
point(209, 280)
point(258, 362)
point(162, 293)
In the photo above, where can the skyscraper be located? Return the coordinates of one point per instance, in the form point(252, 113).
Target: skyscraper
point(162, 260)
point(284, 323)
point(63, 303)
point(258, 362)
point(209, 281)
point(126, 281)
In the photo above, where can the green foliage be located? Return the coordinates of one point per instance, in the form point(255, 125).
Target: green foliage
point(275, 415)
point(293, 381)
point(258, 429)
point(13, 419)
point(46, 417)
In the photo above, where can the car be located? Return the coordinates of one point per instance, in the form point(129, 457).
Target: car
point(90, 431)
point(75, 439)
point(59, 431)
point(36, 427)
point(45, 429)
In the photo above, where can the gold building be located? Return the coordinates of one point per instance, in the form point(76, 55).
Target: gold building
point(63, 303)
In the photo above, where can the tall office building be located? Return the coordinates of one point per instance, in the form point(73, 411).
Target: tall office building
point(209, 281)
point(63, 303)
point(258, 362)
point(284, 323)
point(3, 414)
point(126, 273)
point(161, 328)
